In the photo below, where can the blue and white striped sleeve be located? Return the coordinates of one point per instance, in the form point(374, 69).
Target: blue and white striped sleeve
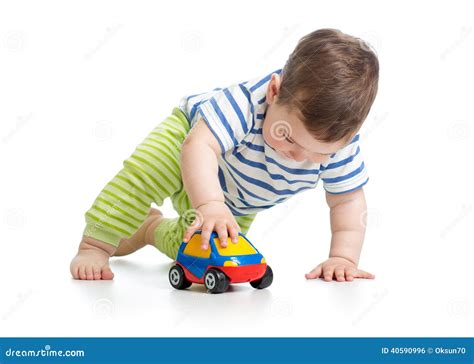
point(346, 170)
point(229, 114)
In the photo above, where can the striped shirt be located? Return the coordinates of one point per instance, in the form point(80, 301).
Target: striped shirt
point(253, 176)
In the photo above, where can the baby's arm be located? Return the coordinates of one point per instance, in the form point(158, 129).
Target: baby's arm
point(199, 168)
point(347, 212)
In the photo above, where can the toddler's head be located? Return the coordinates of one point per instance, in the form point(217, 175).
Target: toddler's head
point(322, 96)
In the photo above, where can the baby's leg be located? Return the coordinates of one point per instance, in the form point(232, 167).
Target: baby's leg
point(142, 237)
point(92, 260)
point(118, 221)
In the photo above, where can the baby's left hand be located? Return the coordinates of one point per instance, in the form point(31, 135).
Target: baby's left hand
point(340, 268)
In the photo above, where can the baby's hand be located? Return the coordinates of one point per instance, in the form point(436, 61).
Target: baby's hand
point(214, 216)
point(340, 268)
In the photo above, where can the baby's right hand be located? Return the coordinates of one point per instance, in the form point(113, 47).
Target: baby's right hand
point(214, 216)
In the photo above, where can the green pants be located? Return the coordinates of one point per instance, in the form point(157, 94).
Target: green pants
point(151, 174)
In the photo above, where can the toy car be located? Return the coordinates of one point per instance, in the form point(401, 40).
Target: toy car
point(218, 267)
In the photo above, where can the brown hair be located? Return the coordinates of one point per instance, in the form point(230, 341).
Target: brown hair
point(331, 80)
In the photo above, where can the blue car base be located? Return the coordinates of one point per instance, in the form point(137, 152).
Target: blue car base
point(217, 267)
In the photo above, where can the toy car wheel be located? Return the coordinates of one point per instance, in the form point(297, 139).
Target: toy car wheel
point(216, 281)
point(265, 281)
point(177, 278)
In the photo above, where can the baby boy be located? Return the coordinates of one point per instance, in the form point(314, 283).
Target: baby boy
point(223, 156)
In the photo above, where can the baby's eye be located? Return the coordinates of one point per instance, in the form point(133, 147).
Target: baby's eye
point(289, 140)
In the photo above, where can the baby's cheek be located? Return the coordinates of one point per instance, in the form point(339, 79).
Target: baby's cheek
point(280, 145)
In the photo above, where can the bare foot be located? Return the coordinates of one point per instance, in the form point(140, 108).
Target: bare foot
point(142, 237)
point(92, 260)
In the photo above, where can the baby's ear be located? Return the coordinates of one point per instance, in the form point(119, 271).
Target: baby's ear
point(273, 88)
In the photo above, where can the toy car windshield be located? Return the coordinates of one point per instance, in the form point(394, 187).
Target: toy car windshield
point(242, 247)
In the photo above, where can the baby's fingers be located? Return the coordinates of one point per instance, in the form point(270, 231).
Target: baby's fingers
point(206, 231)
point(188, 233)
point(328, 273)
point(350, 274)
point(233, 233)
point(191, 229)
point(315, 273)
point(221, 230)
point(363, 274)
point(339, 273)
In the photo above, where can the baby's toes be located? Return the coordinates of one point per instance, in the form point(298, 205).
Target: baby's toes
point(89, 273)
point(82, 272)
point(74, 269)
point(96, 272)
point(107, 273)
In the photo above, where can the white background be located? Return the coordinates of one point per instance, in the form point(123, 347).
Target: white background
point(82, 83)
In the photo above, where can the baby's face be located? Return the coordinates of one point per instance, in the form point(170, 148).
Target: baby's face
point(285, 132)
